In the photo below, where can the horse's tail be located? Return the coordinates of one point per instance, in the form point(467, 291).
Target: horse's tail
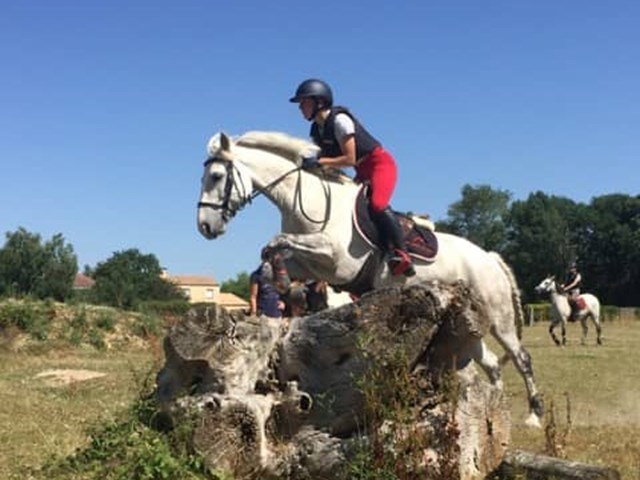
point(518, 314)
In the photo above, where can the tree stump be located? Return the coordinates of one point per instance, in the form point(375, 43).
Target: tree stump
point(540, 467)
point(385, 382)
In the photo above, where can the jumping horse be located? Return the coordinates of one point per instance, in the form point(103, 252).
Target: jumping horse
point(324, 242)
point(588, 308)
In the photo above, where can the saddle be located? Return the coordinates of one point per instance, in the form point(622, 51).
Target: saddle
point(581, 303)
point(420, 240)
point(576, 307)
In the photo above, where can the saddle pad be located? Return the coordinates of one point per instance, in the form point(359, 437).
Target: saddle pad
point(421, 241)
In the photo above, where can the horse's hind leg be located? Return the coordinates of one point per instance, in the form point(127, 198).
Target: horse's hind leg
point(488, 361)
point(596, 322)
point(585, 330)
point(522, 360)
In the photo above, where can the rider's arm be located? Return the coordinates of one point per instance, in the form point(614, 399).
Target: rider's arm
point(345, 135)
point(572, 284)
point(253, 298)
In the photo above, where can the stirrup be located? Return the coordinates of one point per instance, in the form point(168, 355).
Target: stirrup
point(400, 264)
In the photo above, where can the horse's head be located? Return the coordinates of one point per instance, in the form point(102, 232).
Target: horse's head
point(226, 187)
point(547, 285)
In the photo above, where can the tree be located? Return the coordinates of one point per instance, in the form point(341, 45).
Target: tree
point(543, 237)
point(129, 277)
point(479, 216)
point(29, 267)
point(238, 286)
point(611, 249)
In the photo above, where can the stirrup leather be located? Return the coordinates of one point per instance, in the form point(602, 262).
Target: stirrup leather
point(400, 263)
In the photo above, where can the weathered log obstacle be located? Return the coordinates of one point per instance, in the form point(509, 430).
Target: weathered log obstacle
point(383, 383)
point(520, 464)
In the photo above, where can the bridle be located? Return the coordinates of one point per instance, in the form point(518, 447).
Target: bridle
point(229, 210)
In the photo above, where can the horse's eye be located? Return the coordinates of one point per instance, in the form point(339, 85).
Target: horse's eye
point(216, 177)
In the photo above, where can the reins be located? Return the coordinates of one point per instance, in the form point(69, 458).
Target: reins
point(327, 198)
point(229, 212)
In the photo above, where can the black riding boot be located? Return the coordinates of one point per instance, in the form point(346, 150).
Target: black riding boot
point(391, 232)
point(573, 315)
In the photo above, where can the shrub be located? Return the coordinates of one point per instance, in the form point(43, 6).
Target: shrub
point(147, 326)
point(31, 317)
point(128, 448)
point(164, 307)
point(106, 321)
point(391, 446)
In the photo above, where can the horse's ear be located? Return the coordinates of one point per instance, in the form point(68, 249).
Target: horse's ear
point(225, 142)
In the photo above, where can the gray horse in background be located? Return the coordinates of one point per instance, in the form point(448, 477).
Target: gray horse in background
point(561, 311)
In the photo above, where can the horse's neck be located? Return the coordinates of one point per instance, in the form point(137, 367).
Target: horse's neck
point(265, 167)
point(557, 297)
point(301, 197)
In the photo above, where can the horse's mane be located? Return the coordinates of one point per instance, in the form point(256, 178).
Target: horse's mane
point(287, 146)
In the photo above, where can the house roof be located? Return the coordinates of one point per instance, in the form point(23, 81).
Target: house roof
point(195, 280)
point(231, 299)
point(83, 281)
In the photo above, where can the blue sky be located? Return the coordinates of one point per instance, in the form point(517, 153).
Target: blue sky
point(106, 107)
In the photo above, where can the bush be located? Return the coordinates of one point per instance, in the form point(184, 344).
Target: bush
point(392, 397)
point(127, 448)
point(106, 321)
point(164, 307)
point(31, 317)
point(147, 326)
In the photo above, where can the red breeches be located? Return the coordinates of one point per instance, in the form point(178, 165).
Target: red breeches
point(380, 171)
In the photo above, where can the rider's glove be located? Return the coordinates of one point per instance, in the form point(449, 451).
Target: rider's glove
point(310, 161)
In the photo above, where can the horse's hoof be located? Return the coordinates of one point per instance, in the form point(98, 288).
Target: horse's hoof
point(410, 271)
point(533, 421)
point(536, 406)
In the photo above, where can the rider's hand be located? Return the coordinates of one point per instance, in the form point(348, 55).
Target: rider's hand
point(310, 161)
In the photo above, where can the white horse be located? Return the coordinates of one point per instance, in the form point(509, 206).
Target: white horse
point(323, 243)
point(561, 311)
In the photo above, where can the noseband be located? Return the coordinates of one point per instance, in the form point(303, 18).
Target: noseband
point(229, 211)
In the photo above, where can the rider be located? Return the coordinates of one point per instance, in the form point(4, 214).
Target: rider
point(344, 142)
point(571, 287)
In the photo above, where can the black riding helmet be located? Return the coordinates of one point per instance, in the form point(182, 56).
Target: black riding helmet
point(313, 88)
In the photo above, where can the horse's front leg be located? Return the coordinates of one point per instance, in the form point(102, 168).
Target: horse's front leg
point(552, 332)
point(308, 255)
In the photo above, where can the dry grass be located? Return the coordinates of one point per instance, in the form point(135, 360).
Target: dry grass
point(602, 385)
point(39, 419)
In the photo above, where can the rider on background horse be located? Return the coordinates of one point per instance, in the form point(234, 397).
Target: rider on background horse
point(344, 142)
point(571, 287)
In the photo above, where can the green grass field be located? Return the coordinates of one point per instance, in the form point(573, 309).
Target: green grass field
point(40, 418)
point(602, 385)
point(593, 392)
